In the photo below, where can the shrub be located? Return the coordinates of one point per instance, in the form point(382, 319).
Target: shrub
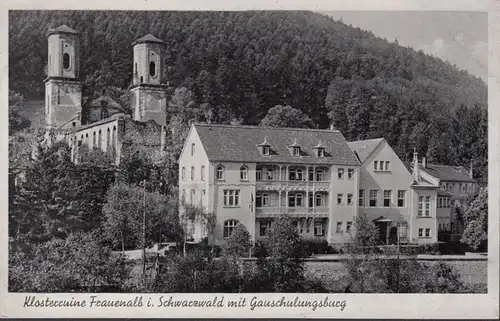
point(311, 246)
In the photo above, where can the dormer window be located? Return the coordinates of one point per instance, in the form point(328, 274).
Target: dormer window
point(295, 149)
point(265, 148)
point(320, 149)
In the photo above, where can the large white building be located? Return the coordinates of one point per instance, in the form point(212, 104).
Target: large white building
point(251, 175)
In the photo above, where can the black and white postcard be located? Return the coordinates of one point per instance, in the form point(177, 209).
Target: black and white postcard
point(290, 159)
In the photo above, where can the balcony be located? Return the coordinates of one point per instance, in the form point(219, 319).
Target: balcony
point(293, 185)
point(268, 211)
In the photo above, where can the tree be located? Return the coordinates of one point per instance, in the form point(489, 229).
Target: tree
point(475, 219)
point(61, 196)
point(79, 263)
point(238, 243)
point(17, 119)
point(123, 217)
point(283, 269)
point(286, 116)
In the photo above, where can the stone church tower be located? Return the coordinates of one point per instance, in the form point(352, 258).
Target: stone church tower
point(149, 101)
point(63, 89)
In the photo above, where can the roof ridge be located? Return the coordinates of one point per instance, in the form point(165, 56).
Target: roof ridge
point(265, 127)
point(365, 140)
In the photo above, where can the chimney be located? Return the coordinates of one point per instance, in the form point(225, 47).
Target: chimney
point(416, 169)
point(424, 162)
point(471, 173)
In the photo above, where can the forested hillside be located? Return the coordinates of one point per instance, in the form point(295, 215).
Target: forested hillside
point(238, 65)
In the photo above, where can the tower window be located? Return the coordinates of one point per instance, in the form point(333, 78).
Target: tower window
point(66, 61)
point(152, 68)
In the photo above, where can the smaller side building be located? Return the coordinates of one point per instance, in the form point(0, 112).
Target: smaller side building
point(399, 200)
point(455, 185)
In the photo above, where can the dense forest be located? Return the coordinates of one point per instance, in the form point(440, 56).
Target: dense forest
point(238, 65)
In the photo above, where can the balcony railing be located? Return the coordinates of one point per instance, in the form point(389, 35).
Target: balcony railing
point(299, 185)
point(270, 211)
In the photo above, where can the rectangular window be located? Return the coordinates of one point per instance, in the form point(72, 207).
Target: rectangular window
point(349, 199)
point(387, 198)
point(401, 198)
point(202, 196)
point(350, 173)
point(298, 201)
point(339, 227)
point(296, 151)
point(202, 173)
point(427, 232)
point(319, 175)
point(291, 200)
point(375, 165)
point(318, 228)
point(402, 230)
point(339, 198)
point(348, 226)
point(373, 197)
point(340, 173)
point(231, 197)
point(386, 165)
point(192, 149)
point(270, 174)
point(258, 174)
point(428, 206)
point(266, 150)
point(420, 232)
point(321, 152)
point(361, 197)
point(311, 175)
point(420, 205)
point(264, 227)
point(265, 199)
point(319, 200)
point(295, 174)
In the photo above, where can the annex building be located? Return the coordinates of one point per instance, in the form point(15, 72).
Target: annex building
point(251, 175)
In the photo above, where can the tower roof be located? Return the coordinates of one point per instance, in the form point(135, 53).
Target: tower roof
point(147, 38)
point(61, 29)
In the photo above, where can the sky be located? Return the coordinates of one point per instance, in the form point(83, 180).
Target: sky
point(458, 37)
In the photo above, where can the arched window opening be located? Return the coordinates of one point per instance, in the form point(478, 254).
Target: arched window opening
point(243, 173)
point(192, 173)
point(202, 173)
point(108, 138)
point(93, 141)
point(220, 173)
point(183, 173)
point(66, 61)
point(152, 68)
point(99, 139)
point(192, 149)
point(229, 227)
point(114, 136)
point(135, 70)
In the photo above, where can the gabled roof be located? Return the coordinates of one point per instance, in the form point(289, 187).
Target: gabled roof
point(148, 38)
point(364, 148)
point(111, 102)
point(240, 144)
point(445, 172)
point(61, 29)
